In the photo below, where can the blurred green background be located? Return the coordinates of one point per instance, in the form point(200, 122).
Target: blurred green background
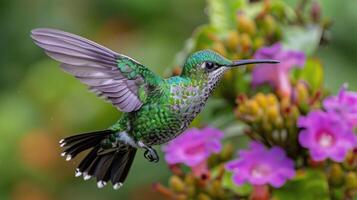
point(39, 103)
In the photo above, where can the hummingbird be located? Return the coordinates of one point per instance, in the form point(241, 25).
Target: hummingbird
point(155, 110)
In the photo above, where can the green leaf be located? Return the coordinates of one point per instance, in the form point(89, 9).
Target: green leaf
point(310, 185)
point(306, 39)
point(222, 13)
point(312, 73)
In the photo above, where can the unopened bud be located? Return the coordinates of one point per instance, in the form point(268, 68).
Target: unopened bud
point(351, 180)
point(279, 123)
point(215, 189)
point(190, 179)
point(258, 42)
point(203, 196)
point(181, 197)
point(273, 113)
point(269, 24)
point(267, 125)
point(253, 108)
point(351, 160)
point(227, 152)
point(176, 184)
point(232, 41)
point(336, 175)
point(271, 99)
point(245, 24)
point(302, 93)
point(191, 190)
point(295, 113)
point(219, 47)
point(246, 42)
point(261, 100)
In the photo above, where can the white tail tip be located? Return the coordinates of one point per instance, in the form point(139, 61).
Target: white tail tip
point(86, 177)
point(68, 158)
point(101, 184)
point(117, 186)
point(78, 173)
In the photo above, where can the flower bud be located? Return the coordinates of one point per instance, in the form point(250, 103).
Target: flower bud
point(295, 113)
point(269, 25)
point(351, 180)
point(232, 41)
point(176, 184)
point(220, 48)
point(279, 123)
point(227, 152)
point(191, 190)
point(215, 189)
point(271, 99)
point(351, 160)
point(267, 125)
point(246, 42)
point(181, 197)
point(273, 113)
point(245, 24)
point(253, 108)
point(258, 43)
point(261, 100)
point(190, 179)
point(336, 175)
point(203, 196)
point(302, 93)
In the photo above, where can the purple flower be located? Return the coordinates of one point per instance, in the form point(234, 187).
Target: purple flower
point(277, 75)
point(260, 166)
point(193, 148)
point(345, 104)
point(326, 135)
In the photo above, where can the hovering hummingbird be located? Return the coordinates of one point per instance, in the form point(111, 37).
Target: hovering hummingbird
point(156, 110)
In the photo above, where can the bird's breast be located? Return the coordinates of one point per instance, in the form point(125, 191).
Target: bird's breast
point(188, 101)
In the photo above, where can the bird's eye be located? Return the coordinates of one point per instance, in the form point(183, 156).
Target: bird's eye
point(209, 65)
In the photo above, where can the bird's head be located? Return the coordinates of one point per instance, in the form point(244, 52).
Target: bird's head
point(209, 64)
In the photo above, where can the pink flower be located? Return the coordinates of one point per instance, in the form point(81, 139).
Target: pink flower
point(260, 166)
point(344, 104)
point(326, 135)
point(277, 75)
point(193, 148)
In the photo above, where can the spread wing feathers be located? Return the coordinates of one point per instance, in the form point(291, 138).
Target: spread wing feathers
point(116, 77)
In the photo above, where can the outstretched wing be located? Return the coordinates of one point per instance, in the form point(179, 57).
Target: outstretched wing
point(120, 79)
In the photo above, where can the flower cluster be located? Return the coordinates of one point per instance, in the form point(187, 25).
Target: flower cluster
point(330, 133)
point(295, 132)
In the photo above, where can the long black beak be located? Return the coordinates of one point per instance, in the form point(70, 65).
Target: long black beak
point(253, 61)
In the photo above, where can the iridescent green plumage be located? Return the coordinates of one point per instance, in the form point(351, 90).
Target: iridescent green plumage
point(155, 110)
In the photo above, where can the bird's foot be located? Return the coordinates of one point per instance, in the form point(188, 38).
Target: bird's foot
point(151, 155)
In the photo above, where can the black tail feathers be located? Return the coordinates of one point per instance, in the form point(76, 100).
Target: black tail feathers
point(104, 164)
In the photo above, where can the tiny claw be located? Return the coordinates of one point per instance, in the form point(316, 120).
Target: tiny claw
point(151, 155)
